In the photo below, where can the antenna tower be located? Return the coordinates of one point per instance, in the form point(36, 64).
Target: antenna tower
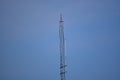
point(62, 49)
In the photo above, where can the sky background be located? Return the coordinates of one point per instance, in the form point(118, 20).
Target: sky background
point(29, 39)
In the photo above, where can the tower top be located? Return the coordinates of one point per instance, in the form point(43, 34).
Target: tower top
point(61, 18)
point(62, 50)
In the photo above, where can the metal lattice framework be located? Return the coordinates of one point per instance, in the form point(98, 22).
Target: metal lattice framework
point(62, 49)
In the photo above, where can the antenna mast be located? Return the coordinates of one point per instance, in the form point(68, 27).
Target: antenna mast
point(62, 49)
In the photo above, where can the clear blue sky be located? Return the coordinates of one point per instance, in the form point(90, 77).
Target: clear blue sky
point(29, 39)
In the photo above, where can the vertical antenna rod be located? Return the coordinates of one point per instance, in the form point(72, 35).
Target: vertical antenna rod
point(62, 49)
